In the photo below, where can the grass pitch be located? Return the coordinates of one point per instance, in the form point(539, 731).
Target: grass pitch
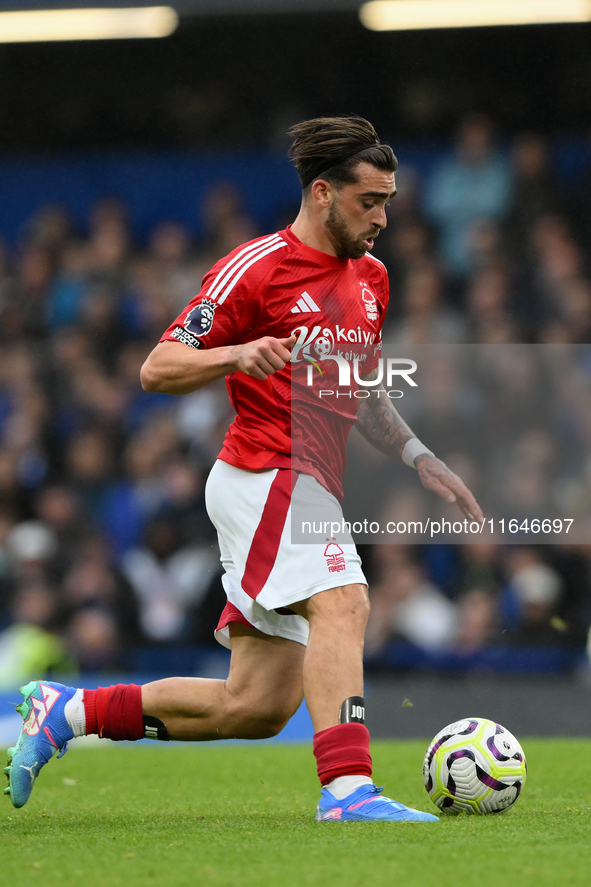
point(243, 816)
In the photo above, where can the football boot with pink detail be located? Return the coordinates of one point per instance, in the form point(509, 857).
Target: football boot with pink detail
point(45, 732)
point(367, 804)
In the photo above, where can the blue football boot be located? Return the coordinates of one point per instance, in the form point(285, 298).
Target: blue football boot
point(366, 804)
point(45, 731)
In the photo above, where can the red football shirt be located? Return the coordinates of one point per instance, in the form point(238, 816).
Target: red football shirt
point(278, 286)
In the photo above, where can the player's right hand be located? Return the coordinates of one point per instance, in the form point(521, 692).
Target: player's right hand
point(265, 356)
point(436, 476)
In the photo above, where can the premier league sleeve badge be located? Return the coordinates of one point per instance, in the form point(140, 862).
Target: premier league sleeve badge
point(199, 320)
point(198, 323)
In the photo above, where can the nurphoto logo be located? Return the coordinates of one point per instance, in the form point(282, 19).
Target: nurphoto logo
point(387, 370)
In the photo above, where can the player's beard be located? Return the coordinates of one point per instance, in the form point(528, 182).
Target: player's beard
point(346, 245)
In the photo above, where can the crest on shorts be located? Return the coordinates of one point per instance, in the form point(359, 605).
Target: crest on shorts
point(335, 558)
point(199, 320)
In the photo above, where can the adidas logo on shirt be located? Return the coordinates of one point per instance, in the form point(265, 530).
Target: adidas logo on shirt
point(305, 305)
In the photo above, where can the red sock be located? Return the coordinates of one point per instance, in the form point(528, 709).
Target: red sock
point(342, 751)
point(115, 712)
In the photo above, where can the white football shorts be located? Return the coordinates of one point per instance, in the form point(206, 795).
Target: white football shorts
point(264, 571)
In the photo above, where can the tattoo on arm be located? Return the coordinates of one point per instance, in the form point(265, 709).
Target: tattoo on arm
point(381, 424)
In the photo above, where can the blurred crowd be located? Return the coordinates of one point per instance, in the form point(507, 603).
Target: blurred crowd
point(105, 546)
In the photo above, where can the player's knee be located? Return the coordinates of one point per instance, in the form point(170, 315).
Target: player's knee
point(249, 725)
point(249, 720)
point(268, 726)
point(274, 718)
point(361, 603)
point(337, 606)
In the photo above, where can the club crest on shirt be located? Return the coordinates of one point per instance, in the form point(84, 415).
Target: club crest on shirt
point(199, 320)
point(371, 305)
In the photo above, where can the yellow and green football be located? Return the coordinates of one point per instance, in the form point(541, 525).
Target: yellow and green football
point(474, 766)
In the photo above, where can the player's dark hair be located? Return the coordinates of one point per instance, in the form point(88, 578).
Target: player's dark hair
point(332, 147)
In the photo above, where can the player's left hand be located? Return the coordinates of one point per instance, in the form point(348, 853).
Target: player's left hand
point(436, 476)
